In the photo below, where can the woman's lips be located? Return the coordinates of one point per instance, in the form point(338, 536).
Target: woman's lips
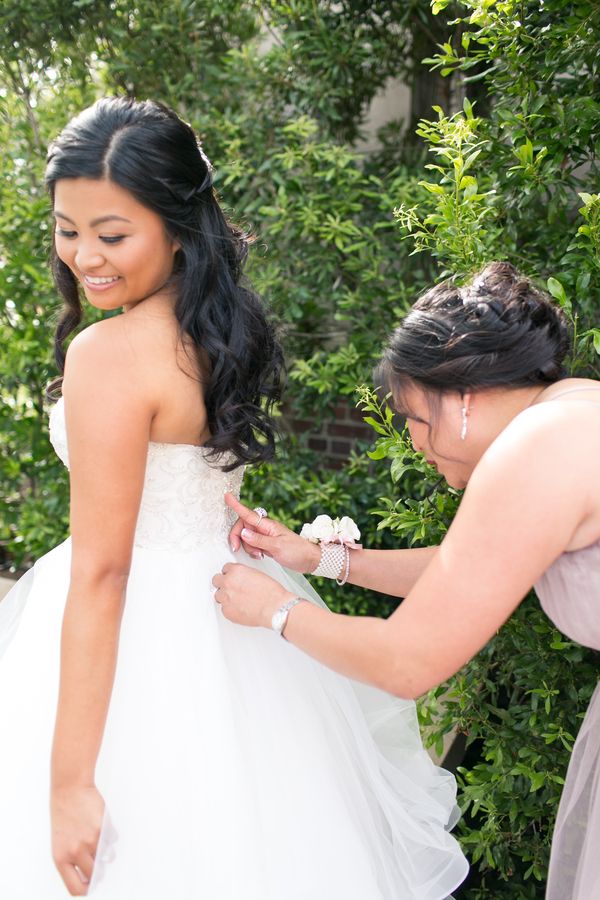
point(100, 282)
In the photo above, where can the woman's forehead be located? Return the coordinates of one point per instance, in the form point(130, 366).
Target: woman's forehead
point(410, 398)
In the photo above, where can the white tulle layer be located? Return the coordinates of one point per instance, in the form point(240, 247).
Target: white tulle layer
point(233, 766)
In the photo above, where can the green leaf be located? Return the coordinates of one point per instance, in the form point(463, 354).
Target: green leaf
point(432, 187)
point(377, 426)
point(557, 290)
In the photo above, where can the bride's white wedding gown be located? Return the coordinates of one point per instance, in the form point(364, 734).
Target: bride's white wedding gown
point(233, 766)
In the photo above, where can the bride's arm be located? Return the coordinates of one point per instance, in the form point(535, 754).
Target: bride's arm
point(392, 572)
point(108, 427)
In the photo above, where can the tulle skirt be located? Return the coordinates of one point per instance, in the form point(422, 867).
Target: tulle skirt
point(233, 766)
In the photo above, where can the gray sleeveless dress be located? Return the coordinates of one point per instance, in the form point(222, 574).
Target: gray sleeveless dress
point(569, 592)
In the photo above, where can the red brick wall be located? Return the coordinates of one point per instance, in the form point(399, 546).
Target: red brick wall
point(342, 427)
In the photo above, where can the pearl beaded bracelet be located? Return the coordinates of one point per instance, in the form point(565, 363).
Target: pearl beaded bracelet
point(336, 537)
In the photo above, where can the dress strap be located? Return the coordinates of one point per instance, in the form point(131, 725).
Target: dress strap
point(575, 391)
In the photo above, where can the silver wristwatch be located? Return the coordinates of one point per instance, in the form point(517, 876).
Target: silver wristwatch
point(279, 618)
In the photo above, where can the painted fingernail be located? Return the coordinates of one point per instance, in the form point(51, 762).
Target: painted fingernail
point(246, 533)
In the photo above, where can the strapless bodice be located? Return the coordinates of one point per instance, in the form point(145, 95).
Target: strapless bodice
point(182, 504)
point(569, 592)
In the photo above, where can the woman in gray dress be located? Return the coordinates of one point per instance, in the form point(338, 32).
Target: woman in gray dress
point(478, 373)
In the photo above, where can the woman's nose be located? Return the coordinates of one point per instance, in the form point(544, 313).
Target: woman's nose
point(88, 258)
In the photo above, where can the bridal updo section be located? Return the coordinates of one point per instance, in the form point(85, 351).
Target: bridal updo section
point(497, 331)
point(146, 149)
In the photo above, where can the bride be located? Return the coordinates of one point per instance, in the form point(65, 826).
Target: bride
point(184, 756)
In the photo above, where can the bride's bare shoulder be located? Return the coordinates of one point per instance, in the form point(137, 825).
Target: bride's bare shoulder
point(137, 341)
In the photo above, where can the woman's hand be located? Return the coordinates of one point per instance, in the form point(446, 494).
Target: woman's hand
point(271, 538)
point(77, 812)
point(248, 597)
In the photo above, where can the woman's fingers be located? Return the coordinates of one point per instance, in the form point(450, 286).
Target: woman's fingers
point(85, 863)
point(248, 516)
point(218, 580)
point(77, 873)
point(246, 595)
point(262, 536)
point(234, 535)
point(251, 519)
point(250, 522)
point(76, 885)
point(260, 545)
point(256, 541)
point(235, 541)
point(77, 815)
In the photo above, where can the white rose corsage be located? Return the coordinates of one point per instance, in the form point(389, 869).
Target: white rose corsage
point(336, 537)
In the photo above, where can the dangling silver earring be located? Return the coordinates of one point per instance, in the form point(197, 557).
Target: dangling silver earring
point(463, 430)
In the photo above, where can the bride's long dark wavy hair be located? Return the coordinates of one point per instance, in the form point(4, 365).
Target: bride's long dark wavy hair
point(145, 148)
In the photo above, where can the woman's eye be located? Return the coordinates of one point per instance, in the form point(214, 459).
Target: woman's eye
point(112, 239)
point(66, 234)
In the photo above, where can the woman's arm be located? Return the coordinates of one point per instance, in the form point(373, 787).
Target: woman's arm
point(523, 504)
point(392, 572)
point(108, 426)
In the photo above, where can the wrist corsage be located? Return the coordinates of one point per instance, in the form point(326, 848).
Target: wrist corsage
point(336, 537)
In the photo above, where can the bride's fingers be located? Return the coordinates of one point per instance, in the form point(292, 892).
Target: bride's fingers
point(85, 865)
point(72, 880)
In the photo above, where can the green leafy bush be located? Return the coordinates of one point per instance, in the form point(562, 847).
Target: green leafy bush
point(513, 175)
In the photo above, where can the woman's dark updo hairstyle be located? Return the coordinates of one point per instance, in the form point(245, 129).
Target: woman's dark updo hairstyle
point(145, 148)
point(497, 331)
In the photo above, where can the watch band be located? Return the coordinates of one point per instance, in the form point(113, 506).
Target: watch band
point(279, 618)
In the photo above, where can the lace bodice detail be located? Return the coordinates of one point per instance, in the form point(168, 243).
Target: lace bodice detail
point(182, 505)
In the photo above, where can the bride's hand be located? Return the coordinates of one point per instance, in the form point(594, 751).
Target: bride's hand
point(77, 812)
point(271, 538)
